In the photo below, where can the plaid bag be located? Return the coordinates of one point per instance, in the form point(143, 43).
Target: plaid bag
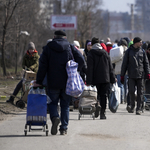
point(75, 84)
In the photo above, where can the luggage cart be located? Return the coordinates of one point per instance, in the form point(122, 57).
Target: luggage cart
point(36, 114)
point(28, 76)
point(87, 111)
point(146, 95)
point(87, 102)
point(146, 101)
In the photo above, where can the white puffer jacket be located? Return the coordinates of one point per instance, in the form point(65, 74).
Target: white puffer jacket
point(119, 63)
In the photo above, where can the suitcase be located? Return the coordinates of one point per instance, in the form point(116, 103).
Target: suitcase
point(87, 102)
point(36, 113)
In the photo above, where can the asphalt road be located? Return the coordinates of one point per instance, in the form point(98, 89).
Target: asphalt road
point(121, 131)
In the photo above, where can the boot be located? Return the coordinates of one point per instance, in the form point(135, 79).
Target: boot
point(11, 100)
point(55, 123)
point(102, 114)
point(98, 108)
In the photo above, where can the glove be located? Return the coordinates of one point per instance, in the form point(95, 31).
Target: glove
point(148, 76)
point(122, 79)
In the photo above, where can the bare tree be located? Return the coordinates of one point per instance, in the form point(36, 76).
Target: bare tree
point(8, 7)
point(88, 17)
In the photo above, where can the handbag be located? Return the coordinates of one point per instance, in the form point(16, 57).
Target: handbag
point(114, 99)
point(75, 84)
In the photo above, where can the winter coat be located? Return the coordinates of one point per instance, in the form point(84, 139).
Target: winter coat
point(135, 62)
point(84, 68)
point(99, 67)
point(119, 63)
point(53, 61)
point(104, 46)
point(109, 46)
point(31, 61)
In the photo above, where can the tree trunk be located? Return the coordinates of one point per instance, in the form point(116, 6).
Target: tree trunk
point(3, 51)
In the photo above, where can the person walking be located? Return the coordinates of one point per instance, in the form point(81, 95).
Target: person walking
point(30, 62)
point(135, 62)
point(52, 62)
point(100, 73)
point(118, 64)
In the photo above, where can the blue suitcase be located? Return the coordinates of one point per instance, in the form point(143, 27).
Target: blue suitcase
point(36, 113)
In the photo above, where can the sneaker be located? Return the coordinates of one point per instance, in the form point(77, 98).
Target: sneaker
point(55, 123)
point(63, 132)
point(138, 112)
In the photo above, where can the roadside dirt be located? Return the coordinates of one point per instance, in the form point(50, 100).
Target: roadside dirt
point(7, 86)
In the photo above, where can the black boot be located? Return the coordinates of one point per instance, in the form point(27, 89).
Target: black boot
point(11, 100)
point(98, 108)
point(102, 114)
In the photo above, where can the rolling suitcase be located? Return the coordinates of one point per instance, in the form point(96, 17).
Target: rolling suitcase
point(36, 113)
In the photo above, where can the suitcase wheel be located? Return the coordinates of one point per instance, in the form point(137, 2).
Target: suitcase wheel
point(25, 131)
point(79, 116)
point(20, 104)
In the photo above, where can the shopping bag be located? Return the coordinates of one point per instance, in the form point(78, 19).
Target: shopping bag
point(114, 99)
point(75, 84)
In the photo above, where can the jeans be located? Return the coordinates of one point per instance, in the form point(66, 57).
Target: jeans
point(56, 96)
point(121, 87)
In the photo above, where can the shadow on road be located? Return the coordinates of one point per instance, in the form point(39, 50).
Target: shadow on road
point(13, 136)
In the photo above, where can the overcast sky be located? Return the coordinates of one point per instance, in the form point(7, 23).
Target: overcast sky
point(117, 5)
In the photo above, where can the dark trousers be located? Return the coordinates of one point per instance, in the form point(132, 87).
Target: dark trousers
point(102, 91)
point(18, 88)
point(139, 84)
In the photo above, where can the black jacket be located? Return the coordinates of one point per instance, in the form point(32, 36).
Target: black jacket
point(53, 61)
point(135, 62)
point(99, 67)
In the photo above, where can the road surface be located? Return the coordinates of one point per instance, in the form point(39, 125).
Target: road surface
point(120, 131)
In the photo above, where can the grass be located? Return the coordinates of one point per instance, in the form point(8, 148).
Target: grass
point(10, 71)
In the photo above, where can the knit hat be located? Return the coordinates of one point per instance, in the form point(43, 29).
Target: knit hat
point(76, 43)
point(123, 42)
point(89, 43)
point(60, 32)
point(95, 40)
point(136, 40)
point(31, 46)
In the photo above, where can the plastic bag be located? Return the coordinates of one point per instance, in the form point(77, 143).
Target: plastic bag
point(114, 99)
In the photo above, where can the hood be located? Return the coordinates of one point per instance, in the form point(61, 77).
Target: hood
point(86, 51)
point(98, 50)
point(97, 46)
point(58, 44)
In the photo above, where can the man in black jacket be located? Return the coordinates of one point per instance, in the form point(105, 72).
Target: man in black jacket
point(100, 73)
point(52, 62)
point(136, 63)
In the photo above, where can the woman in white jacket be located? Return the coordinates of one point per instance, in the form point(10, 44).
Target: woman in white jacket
point(118, 63)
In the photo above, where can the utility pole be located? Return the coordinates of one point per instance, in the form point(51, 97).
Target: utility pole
point(132, 21)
